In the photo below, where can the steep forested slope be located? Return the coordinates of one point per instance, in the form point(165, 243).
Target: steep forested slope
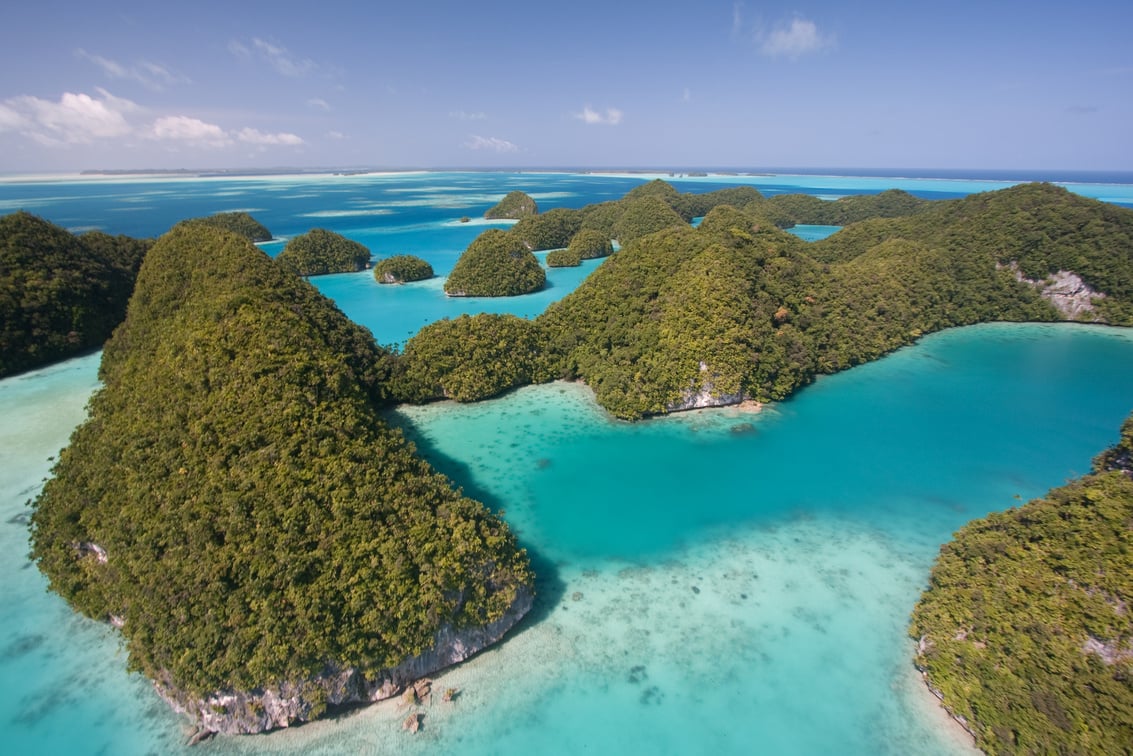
point(236, 504)
point(1025, 630)
point(60, 294)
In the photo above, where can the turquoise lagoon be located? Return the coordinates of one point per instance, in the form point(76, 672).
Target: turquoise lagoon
point(713, 582)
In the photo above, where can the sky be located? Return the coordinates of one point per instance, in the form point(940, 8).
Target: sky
point(995, 84)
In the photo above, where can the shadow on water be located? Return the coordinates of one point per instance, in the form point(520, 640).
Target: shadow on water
point(549, 585)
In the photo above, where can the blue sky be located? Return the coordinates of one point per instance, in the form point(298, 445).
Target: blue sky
point(616, 83)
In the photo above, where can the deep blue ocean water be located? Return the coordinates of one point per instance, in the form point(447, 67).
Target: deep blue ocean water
point(713, 582)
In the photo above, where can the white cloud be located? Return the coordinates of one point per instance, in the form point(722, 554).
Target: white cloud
point(255, 136)
point(737, 18)
point(686, 96)
point(198, 132)
point(281, 59)
point(11, 119)
point(612, 116)
point(144, 72)
point(79, 118)
point(319, 103)
point(490, 143)
point(74, 119)
point(237, 48)
point(186, 129)
point(799, 38)
point(335, 135)
point(461, 115)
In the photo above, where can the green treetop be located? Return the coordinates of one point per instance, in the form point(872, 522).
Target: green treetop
point(320, 251)
point(496, 264)
point(514, 205)
point(402, 269)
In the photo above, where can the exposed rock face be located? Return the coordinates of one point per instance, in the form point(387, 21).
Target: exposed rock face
point(292, 702)
point(705, 396)
point(1066, 290)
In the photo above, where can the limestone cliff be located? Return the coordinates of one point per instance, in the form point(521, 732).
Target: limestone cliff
point(1066, 290)
point(235, 712)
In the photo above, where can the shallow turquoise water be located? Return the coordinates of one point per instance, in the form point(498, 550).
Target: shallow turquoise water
point(711, 582)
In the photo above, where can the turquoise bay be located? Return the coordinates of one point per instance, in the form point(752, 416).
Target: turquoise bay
point(713, 582)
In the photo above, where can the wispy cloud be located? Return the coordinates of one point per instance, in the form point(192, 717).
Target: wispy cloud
point(255, 136)
point(239, 49)
point(146, 73)
point(318, 103)
point(462, 116)
point(186, 129)
point(1082, 109)
point(800, 37)
point(612, 116)
point(77, 118)
point(491, 144)
point(686, 96)
point(275, 55)
point(203, 134)
point(737, 19)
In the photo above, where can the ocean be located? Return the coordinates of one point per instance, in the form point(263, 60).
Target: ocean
point(711, 582)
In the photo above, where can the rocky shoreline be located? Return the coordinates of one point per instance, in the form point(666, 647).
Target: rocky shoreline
point(233, 712)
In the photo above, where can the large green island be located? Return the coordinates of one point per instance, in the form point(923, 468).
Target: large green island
point(1025, 631)
point(235, 505)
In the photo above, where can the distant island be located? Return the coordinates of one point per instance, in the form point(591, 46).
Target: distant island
point(319, 252)
point(514, 205)
point(238, 223)
point(402, 269)
point(496, 264)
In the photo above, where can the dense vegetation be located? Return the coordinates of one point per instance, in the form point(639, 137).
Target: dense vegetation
point(589, 244)
point(1025, 627)
point(564, 258)
point(550, 230)
point(738, 307)
point(787, 210)
point(238, 223)
point(236, 502)
point(472, 358)
point(320, 251)
point(496, 264)
point(514, 205)
point(402, 269)
point(60, 294)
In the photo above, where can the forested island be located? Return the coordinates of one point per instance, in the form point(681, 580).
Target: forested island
point(496, 264)
point(238, 223)
point(235, 505)
point(402, 269)
point(319, 252)
point(222, 506)
point(513, 206)
point(1025, 631)
point(739, 309)
point(60, 294)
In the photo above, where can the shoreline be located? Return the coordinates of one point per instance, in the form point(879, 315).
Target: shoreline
point(933, 710)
